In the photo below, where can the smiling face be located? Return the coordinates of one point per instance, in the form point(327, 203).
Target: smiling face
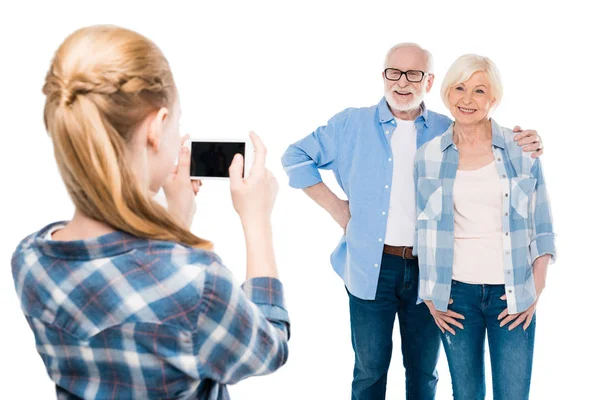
point(403, 95)
point(470, 101)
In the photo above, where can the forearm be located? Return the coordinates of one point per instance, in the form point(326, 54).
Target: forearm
point(323, 196)
point(260, 254)
point(540, 269)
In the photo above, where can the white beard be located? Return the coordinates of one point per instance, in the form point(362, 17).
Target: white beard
point(413, 105)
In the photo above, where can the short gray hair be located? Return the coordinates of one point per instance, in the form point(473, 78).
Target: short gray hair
point(428, 55)
point(464, 67)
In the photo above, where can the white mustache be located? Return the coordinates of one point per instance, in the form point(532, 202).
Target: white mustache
point(407, 90)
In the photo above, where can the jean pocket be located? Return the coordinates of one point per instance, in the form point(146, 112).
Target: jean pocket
point(521, 194)
point(429, 199)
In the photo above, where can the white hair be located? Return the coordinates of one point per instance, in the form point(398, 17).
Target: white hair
point(428, 55)
point(464, 67)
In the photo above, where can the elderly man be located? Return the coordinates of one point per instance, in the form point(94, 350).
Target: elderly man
point(371, 151)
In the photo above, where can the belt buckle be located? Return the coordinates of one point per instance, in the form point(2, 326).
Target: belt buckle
point(404, 252)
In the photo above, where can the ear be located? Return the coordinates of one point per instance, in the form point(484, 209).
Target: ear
point(156, 131)
point(430, 79)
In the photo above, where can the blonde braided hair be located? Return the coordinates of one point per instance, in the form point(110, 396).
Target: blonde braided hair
point(102, 83)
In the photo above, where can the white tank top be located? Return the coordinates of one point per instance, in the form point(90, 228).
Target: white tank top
point(478, 226)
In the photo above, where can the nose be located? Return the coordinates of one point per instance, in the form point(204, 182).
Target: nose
point(467, 98)
point(403, 82)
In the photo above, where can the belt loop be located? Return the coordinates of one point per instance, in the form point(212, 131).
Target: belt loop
point(404, 252)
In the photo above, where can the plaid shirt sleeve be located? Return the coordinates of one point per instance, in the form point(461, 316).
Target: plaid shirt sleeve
point(241, 332)
point(542, 238)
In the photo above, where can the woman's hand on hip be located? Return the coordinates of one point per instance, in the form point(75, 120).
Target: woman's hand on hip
point(444, 319)
point(540, 268)
point(518, 318)
point(526, 316)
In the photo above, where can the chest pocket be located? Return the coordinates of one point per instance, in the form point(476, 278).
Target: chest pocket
point(429, 199)
point(521, 193)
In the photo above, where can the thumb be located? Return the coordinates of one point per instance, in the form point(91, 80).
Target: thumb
point(236, 170)
point(503, 297)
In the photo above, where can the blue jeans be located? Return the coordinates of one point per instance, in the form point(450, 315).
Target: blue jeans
point(372, 324)
point(511, 352)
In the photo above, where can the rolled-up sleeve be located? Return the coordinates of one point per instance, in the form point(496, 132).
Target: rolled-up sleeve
point(543, 237)
point(241, 331)
point(303, 159)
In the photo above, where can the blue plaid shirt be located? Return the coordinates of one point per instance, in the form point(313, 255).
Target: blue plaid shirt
point(526, 217)
point(119, 317)
point(355, 144)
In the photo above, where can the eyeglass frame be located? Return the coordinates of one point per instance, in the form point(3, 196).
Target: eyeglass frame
point(405, 73)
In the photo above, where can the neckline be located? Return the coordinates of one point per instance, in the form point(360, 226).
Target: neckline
point(467, 171)
point(404, 121)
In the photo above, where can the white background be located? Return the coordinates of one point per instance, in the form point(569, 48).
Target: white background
point(283, 68)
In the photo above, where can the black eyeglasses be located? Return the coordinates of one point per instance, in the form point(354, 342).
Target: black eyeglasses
point(412, 75)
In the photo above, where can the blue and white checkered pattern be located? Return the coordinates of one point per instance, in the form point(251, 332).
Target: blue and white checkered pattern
point(526, 217)
point(118, 317)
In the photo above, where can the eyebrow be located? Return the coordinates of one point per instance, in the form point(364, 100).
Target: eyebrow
point(462, 83)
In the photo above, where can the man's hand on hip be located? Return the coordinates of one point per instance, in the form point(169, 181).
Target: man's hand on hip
point(341, 213)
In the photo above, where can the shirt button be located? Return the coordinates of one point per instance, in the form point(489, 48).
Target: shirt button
point(390, 159)
point(509, 291)
point(505, 194)
point(380, 239)
point(508, 252)
point(376, 265)
point(387, 186)
point(508, 272)
point(506, 233)
point(506, 214)
point(393, 121)
point(383, 213)
point(387, 132)
point(504, 176)
point(499, 160)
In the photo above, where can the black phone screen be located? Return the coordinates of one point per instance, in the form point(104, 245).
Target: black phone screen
point(212, 159)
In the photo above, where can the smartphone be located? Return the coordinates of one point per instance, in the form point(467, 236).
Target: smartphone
point(211, 159)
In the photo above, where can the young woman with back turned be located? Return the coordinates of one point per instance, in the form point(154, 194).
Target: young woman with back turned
point(124, 301)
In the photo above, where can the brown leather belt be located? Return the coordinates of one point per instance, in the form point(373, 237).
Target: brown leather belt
point(402, 251)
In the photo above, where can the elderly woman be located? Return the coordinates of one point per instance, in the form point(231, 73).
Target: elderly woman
point(484, 237)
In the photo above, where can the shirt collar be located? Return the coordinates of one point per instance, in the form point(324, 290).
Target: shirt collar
point(424, 114)
point(108, 245)
point(385, 114)
point(497, 136)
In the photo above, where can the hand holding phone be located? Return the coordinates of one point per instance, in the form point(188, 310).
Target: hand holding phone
point(179, 191)
point(253, 197)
